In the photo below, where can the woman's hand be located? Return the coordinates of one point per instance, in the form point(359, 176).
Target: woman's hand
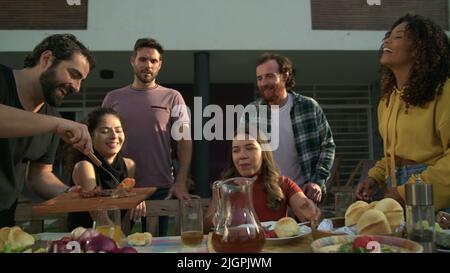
point(366, 189)
point(443, 218)
point(303, 207)
point(394, 194)
point(138, 212)
point(316, 216)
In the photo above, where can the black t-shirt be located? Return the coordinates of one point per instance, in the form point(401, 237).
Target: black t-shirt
point(15, 153)
point(118, 168)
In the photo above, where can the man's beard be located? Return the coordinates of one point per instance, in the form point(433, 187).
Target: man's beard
point(50, 86)
point(143, 79)
point(272, 88)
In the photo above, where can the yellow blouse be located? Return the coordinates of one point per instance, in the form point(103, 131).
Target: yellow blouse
point(422, 135)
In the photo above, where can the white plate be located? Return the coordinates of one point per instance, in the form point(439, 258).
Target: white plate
point(270, 225)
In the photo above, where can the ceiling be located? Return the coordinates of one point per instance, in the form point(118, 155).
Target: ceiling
point(312, 67)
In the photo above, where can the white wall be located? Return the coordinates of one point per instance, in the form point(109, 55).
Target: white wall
point(114, 25)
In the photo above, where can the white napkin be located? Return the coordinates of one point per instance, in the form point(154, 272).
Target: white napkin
point(327, 225)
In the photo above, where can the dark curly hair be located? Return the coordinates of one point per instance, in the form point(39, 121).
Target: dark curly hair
point(148, 42)
point(431, 65)
point(71, 155)
point(62, 46)
point(284, 65)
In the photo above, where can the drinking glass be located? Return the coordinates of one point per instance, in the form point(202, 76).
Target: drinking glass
point(342, 200)
point(107, 221)
point(191, 221)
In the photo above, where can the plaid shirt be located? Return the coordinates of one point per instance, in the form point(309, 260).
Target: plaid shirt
point(312, 133)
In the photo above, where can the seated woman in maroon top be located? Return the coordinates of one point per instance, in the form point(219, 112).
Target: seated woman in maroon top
point(272, 193)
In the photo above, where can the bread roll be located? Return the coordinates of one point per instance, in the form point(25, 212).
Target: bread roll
point(17, 238)
point(373, 222)
point(354, 212)
point(4, 234)
point(372, 204)
point(393, 211)
point(286, 227)
point(140, 239)
point(2, 245)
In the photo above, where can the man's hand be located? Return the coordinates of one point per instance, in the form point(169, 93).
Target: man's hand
point(366, 189)
point(313, 192)
point(76, 134)
point(179, 190)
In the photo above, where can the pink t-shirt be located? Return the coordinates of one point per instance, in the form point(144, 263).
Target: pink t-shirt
point(147, 116)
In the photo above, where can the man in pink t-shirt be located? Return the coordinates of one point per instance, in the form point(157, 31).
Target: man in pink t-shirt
point(150, 113)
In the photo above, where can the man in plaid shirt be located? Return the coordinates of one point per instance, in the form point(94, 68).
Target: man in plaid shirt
point(301, 139)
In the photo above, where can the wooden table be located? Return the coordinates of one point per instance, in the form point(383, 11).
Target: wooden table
point(172, 244)
point(299, 245)
point(72, 202)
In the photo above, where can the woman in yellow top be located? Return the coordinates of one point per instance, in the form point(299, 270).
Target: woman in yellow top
point(414, 112)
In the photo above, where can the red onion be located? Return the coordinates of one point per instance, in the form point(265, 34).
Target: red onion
point(100, 243)
point(86, 236)
point(127, 249)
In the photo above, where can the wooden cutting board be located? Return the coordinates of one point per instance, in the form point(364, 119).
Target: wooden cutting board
point(72, 202)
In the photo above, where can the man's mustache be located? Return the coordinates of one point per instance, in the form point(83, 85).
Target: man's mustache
point(68, 89)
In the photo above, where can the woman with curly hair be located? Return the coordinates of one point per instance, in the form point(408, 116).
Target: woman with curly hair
point(272, 193)
point(414, 112)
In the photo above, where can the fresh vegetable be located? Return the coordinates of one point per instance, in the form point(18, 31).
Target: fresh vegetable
point(91, 241)
point(270, 234)
point(127, 249)
point(361, 241)
point(87, 235)
point(60, 246)
point(77, 232)
point(359, 245)
point(99, 243)
point(127, 184)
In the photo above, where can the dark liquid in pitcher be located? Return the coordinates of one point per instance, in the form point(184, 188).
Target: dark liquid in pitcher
point(239, 241)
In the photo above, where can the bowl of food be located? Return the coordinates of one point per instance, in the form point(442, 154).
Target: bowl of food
point(365, 244)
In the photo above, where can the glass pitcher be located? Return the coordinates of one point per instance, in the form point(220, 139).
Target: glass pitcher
point(237, 226)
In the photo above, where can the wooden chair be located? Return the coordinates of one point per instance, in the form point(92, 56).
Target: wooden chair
point(171, 208)
point(360, 172)
point(333, 181)
point(25, 214)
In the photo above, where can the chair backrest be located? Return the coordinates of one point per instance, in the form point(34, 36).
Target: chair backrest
point(24, 214)
point(171, 208)
point(360, 172)
point(334, 174)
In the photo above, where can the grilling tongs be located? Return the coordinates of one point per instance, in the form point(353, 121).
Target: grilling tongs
point(97, 161)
